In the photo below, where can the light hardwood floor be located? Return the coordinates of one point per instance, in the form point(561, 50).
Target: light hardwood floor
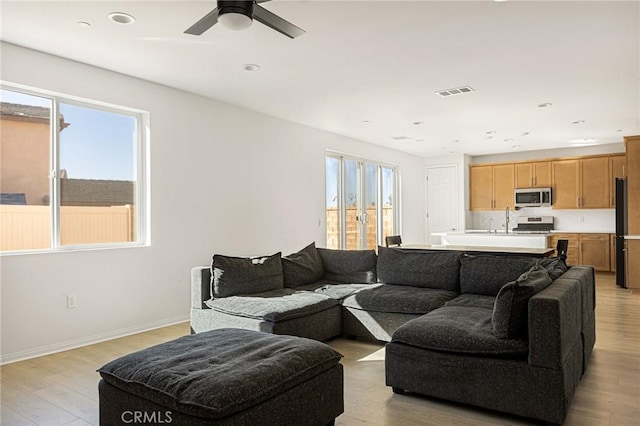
point(61, 389)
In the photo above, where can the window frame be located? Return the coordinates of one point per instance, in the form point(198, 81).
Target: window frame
point(379, 199)
point(142, 175)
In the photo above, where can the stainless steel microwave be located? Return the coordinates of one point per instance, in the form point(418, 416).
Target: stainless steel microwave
point(533, 197)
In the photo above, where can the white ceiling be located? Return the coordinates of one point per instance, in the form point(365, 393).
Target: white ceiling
point(380, 61)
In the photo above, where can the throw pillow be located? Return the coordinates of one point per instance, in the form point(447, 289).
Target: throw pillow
point(349, 266)
point(487, 274)
point(511, 308)
point(556, 266)
point(440, 270)
point(303, 267)
point(233, 276)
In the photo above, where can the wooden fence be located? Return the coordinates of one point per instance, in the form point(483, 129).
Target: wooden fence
point(29, 227)
point(353, 230)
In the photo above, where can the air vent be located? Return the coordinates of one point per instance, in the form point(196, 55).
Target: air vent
point(456, 91)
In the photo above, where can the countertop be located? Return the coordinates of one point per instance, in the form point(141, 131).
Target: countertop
point(540, 252)
point(632, 237)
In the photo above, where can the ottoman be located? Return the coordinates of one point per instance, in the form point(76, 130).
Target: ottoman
point(225, 377)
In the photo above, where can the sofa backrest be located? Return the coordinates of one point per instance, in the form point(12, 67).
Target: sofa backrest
point(486, 275)
point(349, 266)
point(418, 268)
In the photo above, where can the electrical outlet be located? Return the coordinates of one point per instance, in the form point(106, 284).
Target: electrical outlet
point(72, 301)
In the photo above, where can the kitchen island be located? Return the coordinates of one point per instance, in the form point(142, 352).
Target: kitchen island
point(502, 251)
point(494, 239)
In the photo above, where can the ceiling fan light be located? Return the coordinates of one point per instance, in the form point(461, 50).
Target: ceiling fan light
point(235, 15)
point(235, 21)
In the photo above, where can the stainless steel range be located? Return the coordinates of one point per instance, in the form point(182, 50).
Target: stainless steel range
point(534, 224)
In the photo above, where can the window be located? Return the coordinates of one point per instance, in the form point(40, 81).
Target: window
point(360, 202)
point(71, 173)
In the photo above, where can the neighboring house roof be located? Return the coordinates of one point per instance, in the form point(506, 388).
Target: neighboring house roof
point(21, 112)
point(92, 192)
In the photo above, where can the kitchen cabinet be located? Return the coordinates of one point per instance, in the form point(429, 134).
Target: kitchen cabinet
point(491, 186)
point(633, 264)
point(536, 174)
point(595, 249)
point(581, 183)
point(632, 145)
point(617, 165)
point(573, 248)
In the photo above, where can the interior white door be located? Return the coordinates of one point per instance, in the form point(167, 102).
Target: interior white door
point(442, 201)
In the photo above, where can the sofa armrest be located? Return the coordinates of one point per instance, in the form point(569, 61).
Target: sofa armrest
point(555, 323)
point(200, 286)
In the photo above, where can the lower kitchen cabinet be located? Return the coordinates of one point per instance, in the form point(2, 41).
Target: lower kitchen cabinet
point(633, 265)
point(586, 249)
point(595, 249)
point(573, 249)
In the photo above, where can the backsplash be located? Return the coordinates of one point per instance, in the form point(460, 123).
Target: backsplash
point(592, 220)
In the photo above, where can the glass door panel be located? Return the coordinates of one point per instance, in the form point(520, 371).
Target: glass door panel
point(388, 201)
point(370, 207)
point(333, 218)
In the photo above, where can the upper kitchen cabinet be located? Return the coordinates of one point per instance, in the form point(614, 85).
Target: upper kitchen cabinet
point(617, 169)
point(491, 186)
point(581, 183)
point(533, 175)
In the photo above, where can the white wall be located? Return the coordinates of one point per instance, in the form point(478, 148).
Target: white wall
point(223, 179)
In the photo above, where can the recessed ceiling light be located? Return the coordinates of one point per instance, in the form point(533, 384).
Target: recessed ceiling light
point(419, 140)
point(122, 18)
point(83, 24)
point(251, 67)
point(417, 123)
point(399, 138)
point(619, 130)
point(545, 105)
point(490, 132)
point(456, 141)
point(489, 137)
point(524, 134)
point(508, 140)
point(516, 146)
point(366, 121)
point(578, 122)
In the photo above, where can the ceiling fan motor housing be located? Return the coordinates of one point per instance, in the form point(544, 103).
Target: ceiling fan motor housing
point(242, 7)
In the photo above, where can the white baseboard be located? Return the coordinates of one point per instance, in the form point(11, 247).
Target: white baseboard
point(91, 340)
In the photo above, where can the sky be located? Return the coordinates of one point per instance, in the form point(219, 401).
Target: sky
point(96, 145)
point(350, 177)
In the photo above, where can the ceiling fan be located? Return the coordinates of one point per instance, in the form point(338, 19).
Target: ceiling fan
point(238, 15)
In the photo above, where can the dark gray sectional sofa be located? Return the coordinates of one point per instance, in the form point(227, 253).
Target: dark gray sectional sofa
point(513, 334)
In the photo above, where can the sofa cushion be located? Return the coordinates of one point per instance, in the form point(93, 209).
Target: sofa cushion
point(458, 329)
point(438, 270)
point(277, 305)
point(335, 291)
point(510, 312)
point(303, 267)
point(487, 274)
point(220, 372)
point(399, 299)
point(556, 266)
point(472, 300)
point(349, 266)
point(232, 276)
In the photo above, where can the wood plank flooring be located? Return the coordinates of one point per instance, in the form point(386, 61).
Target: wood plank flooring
point(61, 389)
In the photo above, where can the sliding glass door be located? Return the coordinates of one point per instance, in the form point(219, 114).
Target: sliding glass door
point(360, 200)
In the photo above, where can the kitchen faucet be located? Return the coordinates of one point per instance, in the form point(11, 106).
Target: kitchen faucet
point(506, 221)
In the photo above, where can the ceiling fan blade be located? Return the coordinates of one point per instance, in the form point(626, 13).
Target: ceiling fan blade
point(207, 21)
point(275, 22)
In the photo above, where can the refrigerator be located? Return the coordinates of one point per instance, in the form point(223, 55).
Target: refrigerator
point(621, 231)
